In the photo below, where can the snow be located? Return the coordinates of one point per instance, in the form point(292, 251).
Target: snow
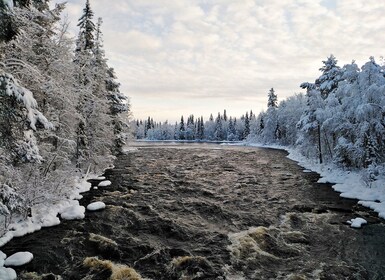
point(2, 258)
point(357, 222)
point(73, 212)
point(104, 183)
point(8, 3)
point(96, 206)
point(7, 273)
point(18, 259)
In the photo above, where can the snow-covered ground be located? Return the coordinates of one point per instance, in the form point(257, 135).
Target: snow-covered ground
point(44, 216)
point(349, 184)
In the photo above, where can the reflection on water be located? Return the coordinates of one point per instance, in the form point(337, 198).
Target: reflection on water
point(206, 211)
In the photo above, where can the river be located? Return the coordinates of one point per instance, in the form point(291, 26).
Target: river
point(207, 211)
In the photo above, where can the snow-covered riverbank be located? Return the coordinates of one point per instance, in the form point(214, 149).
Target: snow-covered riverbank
point(47, 216)
point(350, 184)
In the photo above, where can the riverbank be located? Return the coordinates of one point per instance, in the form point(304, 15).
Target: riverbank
point(350, 184)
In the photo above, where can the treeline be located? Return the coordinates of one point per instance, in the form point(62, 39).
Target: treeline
point(222, 128)
point(340, 119)
point(61, 111)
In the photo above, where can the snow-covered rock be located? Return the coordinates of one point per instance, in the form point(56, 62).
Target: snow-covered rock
point(357, 222)
point(7, 273)
point(50, 220)
point(96, 206)
point(104, 183)
point(18, 259)
point(2, 258)
point(74, 212)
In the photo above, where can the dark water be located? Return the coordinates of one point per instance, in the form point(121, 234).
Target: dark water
point(196, 211)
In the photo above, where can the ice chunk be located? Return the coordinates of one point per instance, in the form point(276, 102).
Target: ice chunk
point(357, 222)
point(7, 273)
point(96, 206)
point(18, 259)
point(104, 183)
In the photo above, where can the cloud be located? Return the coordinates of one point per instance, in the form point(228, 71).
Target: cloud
point(229, 52)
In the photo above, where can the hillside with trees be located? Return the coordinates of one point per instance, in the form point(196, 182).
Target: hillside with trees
point(62, 114)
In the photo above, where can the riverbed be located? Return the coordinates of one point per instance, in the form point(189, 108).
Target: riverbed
point(209, 211)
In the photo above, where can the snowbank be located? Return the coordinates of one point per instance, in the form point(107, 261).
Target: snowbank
point(46, 215)
point(96, 206)
point(73, 212)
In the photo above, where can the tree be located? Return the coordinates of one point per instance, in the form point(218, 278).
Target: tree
point(331, 76)
point(218, 133)
point(182, 129)
point(272, 99)
point(246, 131)
point(85, 41)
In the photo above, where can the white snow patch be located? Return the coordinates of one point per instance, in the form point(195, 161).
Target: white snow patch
point(50, 220)
point(73, 212)
point(6, 238)
point(2, 258)
point(94, 206)
point(7, 273)
point(104, 183)
point(21, 229)
point(18, 259)
point(357, 222)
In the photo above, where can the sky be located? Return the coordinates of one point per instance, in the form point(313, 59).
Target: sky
point(182, 57)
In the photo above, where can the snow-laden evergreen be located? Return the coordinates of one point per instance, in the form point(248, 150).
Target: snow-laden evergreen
point(340, 120)
point(61, 111)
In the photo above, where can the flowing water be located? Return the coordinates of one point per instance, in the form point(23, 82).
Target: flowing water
point(201, 211)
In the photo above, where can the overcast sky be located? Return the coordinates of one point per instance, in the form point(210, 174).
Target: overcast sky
point(177, 57)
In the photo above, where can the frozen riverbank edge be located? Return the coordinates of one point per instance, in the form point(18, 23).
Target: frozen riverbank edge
point(348, 183)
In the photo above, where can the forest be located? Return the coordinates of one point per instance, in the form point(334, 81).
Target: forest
point(340, 119)
point(62, 115)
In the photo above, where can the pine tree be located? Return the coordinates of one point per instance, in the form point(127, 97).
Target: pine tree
point(246, 131)
point(331, 75)
point(182, 129)
point(272, 99)
point(85, 41)
point(218, 133)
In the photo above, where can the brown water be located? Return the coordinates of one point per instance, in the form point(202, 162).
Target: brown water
point(200, 211)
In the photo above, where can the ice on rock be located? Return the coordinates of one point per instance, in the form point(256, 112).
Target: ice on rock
point(104, 183)
point(2, 258)
point(18, 259)
point(74, 212)
point(357, 222)
point(96, 206)
point(7, 273)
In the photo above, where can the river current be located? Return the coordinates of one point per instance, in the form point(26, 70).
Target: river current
point(206, 211)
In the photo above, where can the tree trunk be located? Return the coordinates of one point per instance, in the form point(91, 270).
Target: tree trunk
point(319, 144)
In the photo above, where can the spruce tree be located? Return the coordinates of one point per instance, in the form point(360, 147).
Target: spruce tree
point(182, 129)
point(87, 28)
point(272, 99)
